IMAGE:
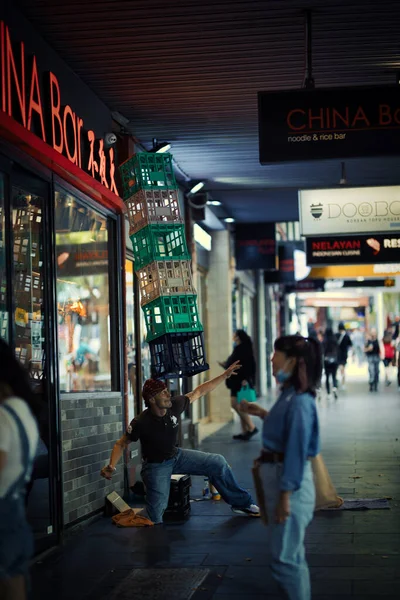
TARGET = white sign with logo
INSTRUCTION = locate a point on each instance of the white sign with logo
(349, 210)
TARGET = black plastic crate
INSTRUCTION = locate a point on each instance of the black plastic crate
(179, 498)
(176, 355)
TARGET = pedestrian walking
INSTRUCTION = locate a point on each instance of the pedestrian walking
(18, 442)
(244, 353)
(290, 438)
(157, 429)
(389, 354)
(373, 354)
(330, 349)
(344, 344)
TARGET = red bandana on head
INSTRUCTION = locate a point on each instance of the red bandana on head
(151, 388)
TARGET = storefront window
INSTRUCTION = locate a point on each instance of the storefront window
(130, 338)
(145, 350)
(27, 224)
(82, 296)
(3, 280)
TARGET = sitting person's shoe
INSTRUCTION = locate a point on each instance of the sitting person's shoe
(249, 511)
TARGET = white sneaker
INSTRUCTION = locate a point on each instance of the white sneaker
(335, 393)
(249, 511)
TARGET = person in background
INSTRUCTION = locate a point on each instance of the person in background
(396, 327)
(373, 353)
(244, 353)
(344, 343)
(290, 437)
(357, 339)
(157, 429)
(398, 363)
(330, 350)
(18, 442)
(389, 354)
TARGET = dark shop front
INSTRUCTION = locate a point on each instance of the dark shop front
(62, 283)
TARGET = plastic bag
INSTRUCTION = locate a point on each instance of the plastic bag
(246, 393)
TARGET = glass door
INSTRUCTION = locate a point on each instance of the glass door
(29, 336)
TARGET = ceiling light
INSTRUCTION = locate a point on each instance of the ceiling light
(214, 203)
(197, 187)
(160, 147)
(229, 220)
(163, 148)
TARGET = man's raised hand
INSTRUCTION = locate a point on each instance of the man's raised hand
(233, 369)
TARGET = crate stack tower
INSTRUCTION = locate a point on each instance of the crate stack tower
(162, 264)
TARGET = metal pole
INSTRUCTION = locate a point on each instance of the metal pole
(309, 82)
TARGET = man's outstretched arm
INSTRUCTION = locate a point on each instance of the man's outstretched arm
(116, 454)
(209, 386)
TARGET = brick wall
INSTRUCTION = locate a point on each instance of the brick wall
(90, 425)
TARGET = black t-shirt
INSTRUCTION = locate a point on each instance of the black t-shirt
(375, 350)
(158, 435)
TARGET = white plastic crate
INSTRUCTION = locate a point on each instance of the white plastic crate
(152, 207)
(165, 278)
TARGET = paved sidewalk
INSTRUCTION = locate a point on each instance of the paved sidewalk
(351, 554)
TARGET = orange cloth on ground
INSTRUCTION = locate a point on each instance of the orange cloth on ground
(128, 518)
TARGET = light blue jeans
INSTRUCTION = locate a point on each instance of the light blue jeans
(286, 540)
(157, 479)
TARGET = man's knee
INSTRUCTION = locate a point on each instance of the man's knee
(219, 462)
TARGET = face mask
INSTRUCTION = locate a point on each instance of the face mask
(282, 376)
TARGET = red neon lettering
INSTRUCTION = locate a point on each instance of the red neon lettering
(361, 116)
(35, 105)
(68, 113)
(113, 186)
(19, 85)
(385, 117)
(93, 167)
(78, 137)
(55, 101)
(337, 116)
(3, 69)
(289, 119)
(102, 167)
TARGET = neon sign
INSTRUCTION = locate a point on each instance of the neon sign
(44, 114)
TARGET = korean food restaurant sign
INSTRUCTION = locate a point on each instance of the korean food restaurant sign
(328, 123)
(38, 106)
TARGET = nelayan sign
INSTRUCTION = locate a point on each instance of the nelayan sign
(353, 250)
(320, 124)
(348, 210)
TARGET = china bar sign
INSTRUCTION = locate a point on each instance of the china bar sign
(328, 123)
(37, 106)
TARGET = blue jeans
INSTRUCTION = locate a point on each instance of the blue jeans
(286, 540)
(157, 479)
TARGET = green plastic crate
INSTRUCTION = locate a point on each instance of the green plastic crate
(159, 242)
(171, 314)
(147, 170)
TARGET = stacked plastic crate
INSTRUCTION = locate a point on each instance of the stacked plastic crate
(162, 264)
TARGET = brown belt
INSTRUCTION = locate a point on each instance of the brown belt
(271, 457)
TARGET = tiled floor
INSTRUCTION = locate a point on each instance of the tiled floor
(351, 554)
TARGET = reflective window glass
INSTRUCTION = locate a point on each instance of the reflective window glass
(82, 296)
(3, 275)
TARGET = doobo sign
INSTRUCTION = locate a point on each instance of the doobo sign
(349, 210)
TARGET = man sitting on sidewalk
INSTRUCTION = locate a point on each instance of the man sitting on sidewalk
(157, 429)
